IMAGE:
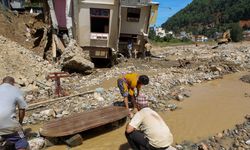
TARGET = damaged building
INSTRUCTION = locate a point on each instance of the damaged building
(103, 28)
(136, 16)
(97, 28)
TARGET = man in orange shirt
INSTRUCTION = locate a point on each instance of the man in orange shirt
(127, 84)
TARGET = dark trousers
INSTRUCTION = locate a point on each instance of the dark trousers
(16, 140)
(138, 141)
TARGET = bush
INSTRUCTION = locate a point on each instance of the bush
(236, 32)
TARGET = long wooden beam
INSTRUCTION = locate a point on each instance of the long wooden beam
(37, 105)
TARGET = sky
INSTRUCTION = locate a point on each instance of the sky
(168, 8)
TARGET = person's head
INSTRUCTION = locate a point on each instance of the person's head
(141, 101)
(9, 80)
(143, 80)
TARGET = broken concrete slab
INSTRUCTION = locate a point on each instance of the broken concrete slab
(77, 64)
(74, 59)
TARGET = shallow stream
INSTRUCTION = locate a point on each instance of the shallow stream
(213, 107)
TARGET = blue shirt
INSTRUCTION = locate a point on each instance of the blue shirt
(10, 97)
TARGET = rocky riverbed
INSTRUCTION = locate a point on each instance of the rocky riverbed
(174, 68)
(234, 139)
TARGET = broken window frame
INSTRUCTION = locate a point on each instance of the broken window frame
(133, 14)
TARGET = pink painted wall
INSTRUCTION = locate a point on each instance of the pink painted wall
(60, 10)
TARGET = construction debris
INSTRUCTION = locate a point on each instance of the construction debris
(74, 59)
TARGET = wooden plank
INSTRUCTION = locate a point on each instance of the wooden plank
(53, 46)
(35, 105)
(83, 121)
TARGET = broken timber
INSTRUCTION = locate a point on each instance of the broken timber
(80, 122)
(35, 105)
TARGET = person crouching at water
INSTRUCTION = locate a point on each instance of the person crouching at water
(127, 84)
(147, 130)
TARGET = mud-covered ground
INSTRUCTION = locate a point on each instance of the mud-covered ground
(172, 69)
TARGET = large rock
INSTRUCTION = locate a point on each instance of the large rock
(74, 59)
(77, 64)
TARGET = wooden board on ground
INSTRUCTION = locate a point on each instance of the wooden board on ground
(83, 121)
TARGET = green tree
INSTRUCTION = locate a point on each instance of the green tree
(236, 32)
(206, 16)
(151, 34)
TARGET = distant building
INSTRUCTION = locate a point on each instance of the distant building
(170, 32)
(200, 38)
(17, 4)
(160, 32)
(33, 6)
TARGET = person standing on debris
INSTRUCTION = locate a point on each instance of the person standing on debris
(147, 130)
(10, 128)
(148, 47)
(130, 48)
(127, 84)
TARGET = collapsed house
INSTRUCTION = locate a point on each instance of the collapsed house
(136, 16)
(101, 27)
(97, 28)
(104, 27)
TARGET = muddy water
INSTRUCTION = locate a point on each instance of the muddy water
(213, 107)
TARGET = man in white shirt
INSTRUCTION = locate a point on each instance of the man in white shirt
(147, 130)
(10, 128)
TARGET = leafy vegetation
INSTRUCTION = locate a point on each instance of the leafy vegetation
(209, 16)
(167, 40)
(236, 32)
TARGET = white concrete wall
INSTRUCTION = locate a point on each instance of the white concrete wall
(135, 27)
(83, 27)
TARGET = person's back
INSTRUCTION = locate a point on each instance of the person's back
(155, 128)
(9, 99)
(131, 78)
(10, 129)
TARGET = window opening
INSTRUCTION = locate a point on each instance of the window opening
(99, 19)
(133, 14)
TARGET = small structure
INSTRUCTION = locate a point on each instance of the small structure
(160, 32)
(56, 77)
(200, 38)
(17, 4)
(33, 6)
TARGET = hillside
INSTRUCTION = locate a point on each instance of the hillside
(209, 16)
(23, 28)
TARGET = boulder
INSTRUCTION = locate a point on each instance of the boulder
(77, 64)
(74, 59)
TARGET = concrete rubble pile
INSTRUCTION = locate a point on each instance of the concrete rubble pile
(74, 59)
(26, 67)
